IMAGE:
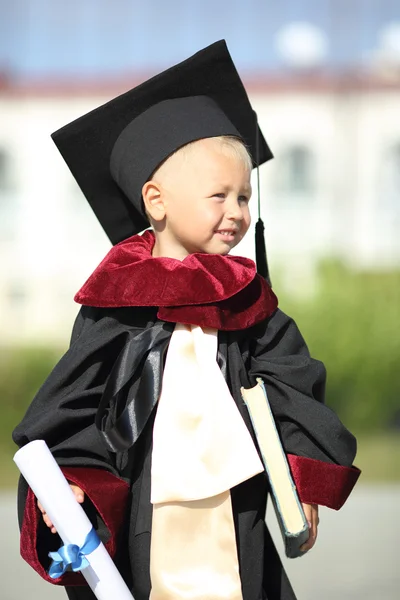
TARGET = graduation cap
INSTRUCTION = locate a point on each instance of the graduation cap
(113, 150)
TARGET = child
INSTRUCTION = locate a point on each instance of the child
(172, 480)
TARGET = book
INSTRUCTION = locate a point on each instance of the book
(288, 509)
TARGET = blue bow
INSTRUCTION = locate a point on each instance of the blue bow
(73, 555)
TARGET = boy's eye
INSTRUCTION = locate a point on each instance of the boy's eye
(241, 199)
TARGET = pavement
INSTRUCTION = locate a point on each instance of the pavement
(356, 556)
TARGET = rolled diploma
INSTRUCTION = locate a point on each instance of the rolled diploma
(50, 487)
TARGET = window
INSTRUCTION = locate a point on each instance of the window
(8, 196)
(6, 176)
(296, 174)
(17, 296)
(389, 185)
(386, 210)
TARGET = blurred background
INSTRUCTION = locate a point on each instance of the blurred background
(324, 78)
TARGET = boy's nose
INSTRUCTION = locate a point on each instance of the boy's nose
(235, 215)
(234, 212)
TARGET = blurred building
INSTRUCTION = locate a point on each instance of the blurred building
(332, 190)
(332, 122)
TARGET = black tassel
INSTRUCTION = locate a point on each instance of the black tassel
(261, 253)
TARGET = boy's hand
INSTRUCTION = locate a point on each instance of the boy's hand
(79, 495)
(311, 513)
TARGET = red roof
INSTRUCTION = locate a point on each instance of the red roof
(269, 83)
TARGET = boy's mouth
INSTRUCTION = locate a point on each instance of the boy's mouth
(227, 234)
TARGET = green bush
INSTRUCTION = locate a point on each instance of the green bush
(22, 372)
(352, 324)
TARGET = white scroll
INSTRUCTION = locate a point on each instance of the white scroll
(50, 487)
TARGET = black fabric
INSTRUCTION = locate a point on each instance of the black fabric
(87, 143)
(295, 385)
(133, 387)
(64, 410)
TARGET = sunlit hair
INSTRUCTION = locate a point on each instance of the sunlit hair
(228, 144)
(238, 148)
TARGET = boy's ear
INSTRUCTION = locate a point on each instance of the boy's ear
(153, 200)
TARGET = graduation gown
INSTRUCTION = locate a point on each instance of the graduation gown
(89, 414)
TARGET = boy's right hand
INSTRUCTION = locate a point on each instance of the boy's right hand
(79, 495)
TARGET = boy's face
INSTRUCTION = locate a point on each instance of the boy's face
(204, 194)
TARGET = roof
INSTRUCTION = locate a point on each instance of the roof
(264, 83)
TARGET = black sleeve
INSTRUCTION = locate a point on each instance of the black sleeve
(63, 415)
(295, 385)
(63, 411)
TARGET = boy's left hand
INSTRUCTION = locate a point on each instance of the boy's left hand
(311, 513)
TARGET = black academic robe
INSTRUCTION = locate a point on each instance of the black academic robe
(320, 449)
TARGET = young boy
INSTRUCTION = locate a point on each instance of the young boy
(170, 474)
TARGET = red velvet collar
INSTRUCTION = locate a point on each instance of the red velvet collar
(210, 290)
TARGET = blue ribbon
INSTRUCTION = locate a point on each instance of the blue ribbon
(73, 555)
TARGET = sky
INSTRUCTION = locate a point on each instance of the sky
(44, 38)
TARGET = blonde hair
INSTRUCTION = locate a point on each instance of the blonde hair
(228, 143)
(239, 148)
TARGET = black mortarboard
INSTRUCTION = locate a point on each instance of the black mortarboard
(126, 139)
